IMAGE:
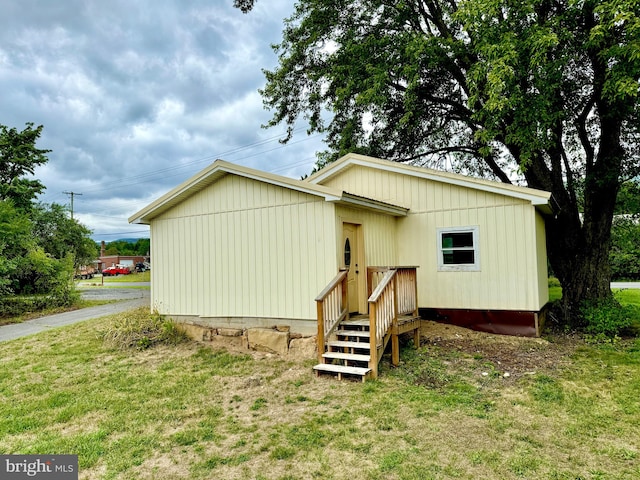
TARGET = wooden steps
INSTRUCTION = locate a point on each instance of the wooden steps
(361, 321)
(346, 356)
(349, 353)
(348, 344)
(342, 370)
(353, 333)
(345, 345)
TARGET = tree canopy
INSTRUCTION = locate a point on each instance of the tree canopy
(39, 243)
(141, 247)
(542, 91)
(60, 235)
(19, 156)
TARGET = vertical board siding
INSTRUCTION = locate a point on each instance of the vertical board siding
(512, 257)
(379, 231)
(267, 252)
(508, 278)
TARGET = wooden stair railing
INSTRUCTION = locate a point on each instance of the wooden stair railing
(355, 348)
(332, 308)
(395, 295)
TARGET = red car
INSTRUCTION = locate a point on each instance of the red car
(117, 270)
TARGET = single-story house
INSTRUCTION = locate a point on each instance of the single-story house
(239, 247)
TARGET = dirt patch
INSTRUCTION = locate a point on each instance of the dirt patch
(514, 356)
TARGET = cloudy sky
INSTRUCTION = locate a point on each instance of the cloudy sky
(137, 96)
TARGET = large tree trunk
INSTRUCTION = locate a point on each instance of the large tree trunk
(579, 257)
(579, 248)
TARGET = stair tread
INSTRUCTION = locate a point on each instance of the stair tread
(358, 322)
(344, 343)
(327, 367)
(353, 333)
(347, 356)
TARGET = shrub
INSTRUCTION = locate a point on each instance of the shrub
(606, 318)
(553, 282)
(15, 306)
(140, 330)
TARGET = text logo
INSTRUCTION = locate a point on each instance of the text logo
(42, 467)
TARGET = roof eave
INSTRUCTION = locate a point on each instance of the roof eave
(374, 205)
(537, 198)
(217, 170)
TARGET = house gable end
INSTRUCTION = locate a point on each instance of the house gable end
(417, 193)
(233, 193)
(375, 173)
(212, 174)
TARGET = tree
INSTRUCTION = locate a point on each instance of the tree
(624, 255)
(15, 240)
(628, 200)
(541, 90)
(60, 236)
(244, 5)
(141, 247)
(19, 156)
(38, 242)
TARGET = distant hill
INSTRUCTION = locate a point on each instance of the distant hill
(125, 240)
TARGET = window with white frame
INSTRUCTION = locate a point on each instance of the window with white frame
(458, 249)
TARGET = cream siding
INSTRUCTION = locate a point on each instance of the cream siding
(510, 276)
(243, 248)
(379, 235)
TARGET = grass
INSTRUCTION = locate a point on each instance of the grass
(629, 296)
(115, 281)
(133, 277)
(187, 411)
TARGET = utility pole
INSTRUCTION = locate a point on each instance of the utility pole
(71, 194)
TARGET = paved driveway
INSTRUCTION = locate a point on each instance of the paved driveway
(130, 298)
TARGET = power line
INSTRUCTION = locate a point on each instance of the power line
(141, 179)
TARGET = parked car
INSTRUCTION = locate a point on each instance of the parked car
(116, 270)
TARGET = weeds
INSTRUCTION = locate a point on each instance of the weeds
(140, 330)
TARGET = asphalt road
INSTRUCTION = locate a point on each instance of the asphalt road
(129, 298)
(625, 284)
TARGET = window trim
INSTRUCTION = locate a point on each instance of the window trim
(461, 267)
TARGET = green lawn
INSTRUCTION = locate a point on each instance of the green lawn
(133, 277)
(189, 411)
(630, 296)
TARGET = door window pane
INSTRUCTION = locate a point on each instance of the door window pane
(347, 253)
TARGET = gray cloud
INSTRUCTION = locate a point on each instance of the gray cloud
(137, 96)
